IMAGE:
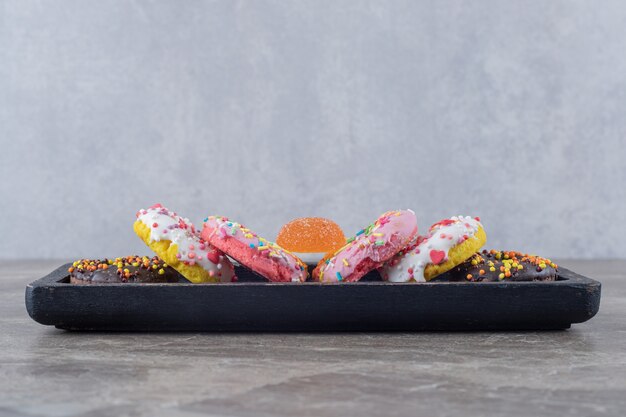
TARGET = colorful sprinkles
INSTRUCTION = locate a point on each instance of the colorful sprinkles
(433, 249)
(502, 265)
(368, 242)
(126, 268)
(192, 250)
(227, 228)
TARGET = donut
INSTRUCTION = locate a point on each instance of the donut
(448, 243)
(260, 255)
(176, 241)
(496, 266)
(310, 238)
(369, 249)
(125, 269)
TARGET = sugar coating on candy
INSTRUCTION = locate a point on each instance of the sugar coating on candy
(311, 235)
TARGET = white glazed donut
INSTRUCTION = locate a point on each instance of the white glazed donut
(449, 243)
(176, 240)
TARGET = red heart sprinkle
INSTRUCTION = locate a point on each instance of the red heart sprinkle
(437, 256)
(213, 256)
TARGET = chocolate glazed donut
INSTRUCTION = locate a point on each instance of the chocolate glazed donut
(501, 266)
(132, 269)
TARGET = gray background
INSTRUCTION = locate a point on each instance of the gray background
(268, 110)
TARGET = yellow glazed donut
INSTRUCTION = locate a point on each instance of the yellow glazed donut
(449, 243)
(178, 243)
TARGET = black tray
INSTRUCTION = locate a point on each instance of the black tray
(309, 307)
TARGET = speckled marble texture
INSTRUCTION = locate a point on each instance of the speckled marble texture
(269, 110)
(49, 372)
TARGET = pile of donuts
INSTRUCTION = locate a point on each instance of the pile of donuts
(313, 249)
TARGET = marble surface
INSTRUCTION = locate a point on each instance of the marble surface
(49, 372)
(268, 110)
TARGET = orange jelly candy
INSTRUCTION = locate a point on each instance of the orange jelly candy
(311, 235)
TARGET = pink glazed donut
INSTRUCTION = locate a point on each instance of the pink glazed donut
(369, 249)
(260, 255)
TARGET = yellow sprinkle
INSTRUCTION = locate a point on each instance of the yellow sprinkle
(378, 234)
(135, 264)
(345, 263)
(161, 271)
(492, 269)
(501, 276)
(263, 247)
(154, 266)
(542, 265)
(343, 247)
(248, 236)
(520, 267)
(126, 271)
(474, 262)
(120, 265)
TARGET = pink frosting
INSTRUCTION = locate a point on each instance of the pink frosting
(370, 248)
(251, 250)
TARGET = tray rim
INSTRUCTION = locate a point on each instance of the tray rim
(537, 305)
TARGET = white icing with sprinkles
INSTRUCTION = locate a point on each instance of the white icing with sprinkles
(191, 248)
(432, 249)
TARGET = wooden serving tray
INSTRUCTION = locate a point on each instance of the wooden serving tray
(368, 305)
